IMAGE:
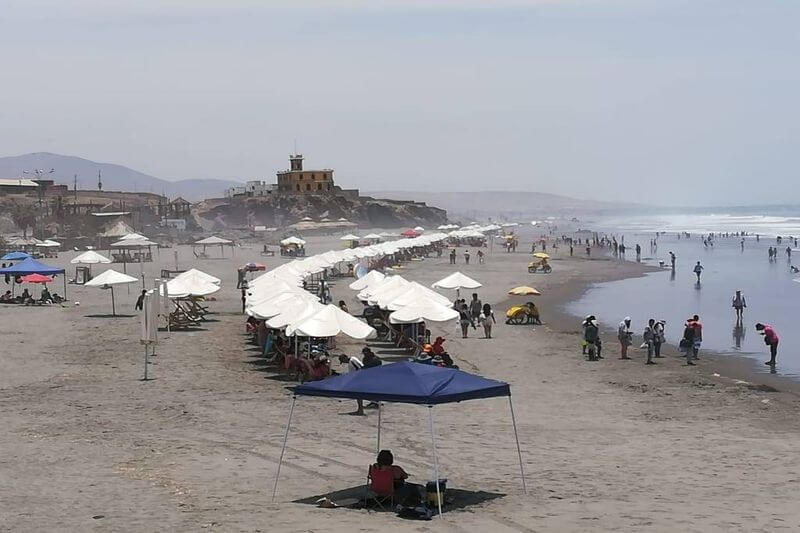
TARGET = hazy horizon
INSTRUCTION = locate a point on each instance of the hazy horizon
(672, 103)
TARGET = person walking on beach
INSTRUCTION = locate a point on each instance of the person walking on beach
(140, 301)
(658, 338)
(464, 320)
(475, 307)
(480, 257)
(466, 257)
(353, 364)
(453, 256)
(698, 269)
(487, 319)
(591, 338)
(243, 286)
(739, 303)
(638, 253)
(771, 340)
(688, 341)
(624, 335)
(789, 252)
(697, 339)
(649, 336)
(672, 259)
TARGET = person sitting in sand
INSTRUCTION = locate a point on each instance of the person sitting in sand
(6, 297)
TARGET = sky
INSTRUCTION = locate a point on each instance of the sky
(673, 102)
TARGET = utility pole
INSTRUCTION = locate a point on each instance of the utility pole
(75, 187)
(99, 181)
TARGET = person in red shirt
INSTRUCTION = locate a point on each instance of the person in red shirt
(771, 340)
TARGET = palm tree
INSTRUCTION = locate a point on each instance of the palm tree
(24, 217)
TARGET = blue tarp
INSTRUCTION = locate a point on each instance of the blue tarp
(31, 266)
(14, 256)
(406, 382)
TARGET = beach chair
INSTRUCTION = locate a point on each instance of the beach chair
(380, 487)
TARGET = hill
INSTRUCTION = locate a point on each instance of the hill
(506, 204)
(115, 177)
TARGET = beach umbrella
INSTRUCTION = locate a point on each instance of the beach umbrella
(524, 290)
(423, 309)
(279, 304)
(419, 229)
(541, 255)
(410, 233)
(412, 295)
(294, 313)
(293, 240)
(15, 256)
(107, 280)
(457, 281)
(370, 278)
(198, 274)
(329, 322)
(349, 237)
(90, 258)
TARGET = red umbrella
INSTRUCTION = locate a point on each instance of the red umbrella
(36, 278)
(410, 233)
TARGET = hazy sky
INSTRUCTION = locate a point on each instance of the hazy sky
(669, 102)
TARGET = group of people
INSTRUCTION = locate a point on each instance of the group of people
(25, 297)
(653, 336)
(454, 254)
(474, 314)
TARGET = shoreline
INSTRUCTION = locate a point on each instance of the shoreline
(731, 366)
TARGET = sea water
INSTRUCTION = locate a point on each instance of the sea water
(772, 294)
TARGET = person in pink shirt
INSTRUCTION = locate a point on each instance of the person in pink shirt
(771, 340)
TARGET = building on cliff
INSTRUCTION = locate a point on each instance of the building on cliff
(292, 181)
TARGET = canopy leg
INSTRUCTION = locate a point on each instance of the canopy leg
(519, 452)
(65, 284)
(379, 426)
(283, 449)
(435, 460)
(113, 308)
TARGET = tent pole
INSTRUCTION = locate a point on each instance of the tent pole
(283, 449)
(435, 460)
(145, 363)
(519, 452)
(379, 426)
(113, 309)
(65, 284)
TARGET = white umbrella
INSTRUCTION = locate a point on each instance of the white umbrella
(350, 237)
(181, 288)
(419, 228)
(457, 281)
(329, 322)
(213, 240)
(90, 258)
(107, 280)
(293, 240)
(132, 237)
(388, 283)
(424, 309)
(373, 237)
(368, 279)
(193, 273)
(294, 313)
(416, 293)
(277, 303)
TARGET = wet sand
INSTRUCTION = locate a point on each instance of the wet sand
(610, 445)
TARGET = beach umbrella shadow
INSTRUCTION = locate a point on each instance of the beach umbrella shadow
(108, 315)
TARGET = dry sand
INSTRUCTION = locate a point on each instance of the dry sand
(611, 445)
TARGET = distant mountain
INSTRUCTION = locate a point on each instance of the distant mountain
(115, 177)
(505, 204)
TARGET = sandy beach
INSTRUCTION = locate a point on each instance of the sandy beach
(609, 445)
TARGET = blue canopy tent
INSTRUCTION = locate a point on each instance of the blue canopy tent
(32, 266)
(15, 256)
(406, 382)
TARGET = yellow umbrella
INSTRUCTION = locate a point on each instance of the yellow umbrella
(524, 290)
(541, 255)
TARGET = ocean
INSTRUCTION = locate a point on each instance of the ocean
(772, 294)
